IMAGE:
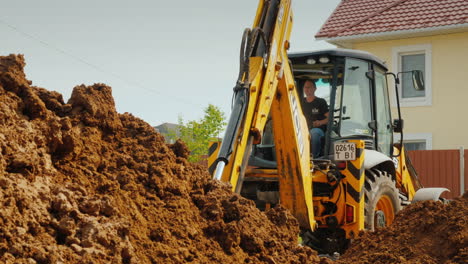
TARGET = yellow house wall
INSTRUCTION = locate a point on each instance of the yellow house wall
(447, 118)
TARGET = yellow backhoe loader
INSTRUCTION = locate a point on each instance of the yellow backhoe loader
(360, 179)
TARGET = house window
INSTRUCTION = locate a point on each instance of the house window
(415, 145)
(415, 141)
(408, 58)
(408, 63)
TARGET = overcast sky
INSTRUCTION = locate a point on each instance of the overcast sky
(162, 59)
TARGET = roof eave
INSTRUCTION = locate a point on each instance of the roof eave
(347, 41)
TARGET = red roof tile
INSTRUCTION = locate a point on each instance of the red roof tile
(358, 17)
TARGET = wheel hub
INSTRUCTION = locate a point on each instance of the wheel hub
(379, 219)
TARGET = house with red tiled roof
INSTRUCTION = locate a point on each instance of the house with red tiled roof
(426, 35)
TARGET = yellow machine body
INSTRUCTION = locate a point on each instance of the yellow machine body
(322, 195)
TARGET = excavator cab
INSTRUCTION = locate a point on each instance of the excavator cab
(354, 85)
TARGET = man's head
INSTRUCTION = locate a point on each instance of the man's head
(309, 88)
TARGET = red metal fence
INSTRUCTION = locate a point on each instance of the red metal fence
(441, 168)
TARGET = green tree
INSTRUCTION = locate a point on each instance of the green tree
(197, 134)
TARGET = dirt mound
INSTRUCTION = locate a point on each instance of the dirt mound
(424, 232)
(80, 183)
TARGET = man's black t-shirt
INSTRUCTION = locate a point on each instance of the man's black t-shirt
(315, 110)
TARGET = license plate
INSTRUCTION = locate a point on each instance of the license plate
(345, 151)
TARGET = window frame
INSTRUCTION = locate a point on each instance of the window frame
(415, 137)
(380, 70)
(344, 91)
(397, 53)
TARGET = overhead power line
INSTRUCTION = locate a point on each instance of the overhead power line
(63, 52)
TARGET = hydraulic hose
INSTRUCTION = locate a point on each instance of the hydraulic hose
(241, 98)
(251, 45)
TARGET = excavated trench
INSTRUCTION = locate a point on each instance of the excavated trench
(81, 183)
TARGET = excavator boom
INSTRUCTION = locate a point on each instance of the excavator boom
(266, 87)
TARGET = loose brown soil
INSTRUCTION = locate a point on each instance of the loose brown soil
(81, 183)
(425, 232)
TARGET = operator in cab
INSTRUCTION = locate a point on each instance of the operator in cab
(316, 112)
